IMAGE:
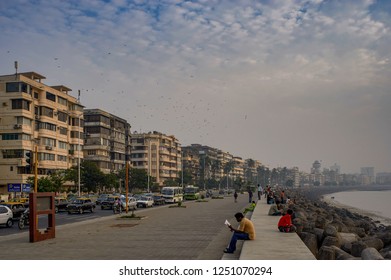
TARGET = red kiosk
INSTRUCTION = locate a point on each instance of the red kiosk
(42, 204)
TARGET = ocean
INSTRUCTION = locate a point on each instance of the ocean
(377, 203)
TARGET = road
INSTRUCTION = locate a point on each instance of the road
(62, 218)
(196, 231)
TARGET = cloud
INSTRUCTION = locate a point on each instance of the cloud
(296, 69)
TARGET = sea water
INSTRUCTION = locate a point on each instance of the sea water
(376, 202)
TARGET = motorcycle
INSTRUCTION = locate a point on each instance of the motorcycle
(24, 219)
(117, 208)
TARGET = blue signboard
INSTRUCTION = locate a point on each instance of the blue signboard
(19, 187)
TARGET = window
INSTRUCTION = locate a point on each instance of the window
(23, 120)
(45, 111)
(45, 125)
(76, 134)
(62, 101)
(50, 96)
(15, 136)
(13, 153)
(36, 95)
(48, 142)
(62, 158)
(46, 156)
(17, 87)
(21, 104)
(63, 130)
(91, 152)
(63, 145)
(63, 117)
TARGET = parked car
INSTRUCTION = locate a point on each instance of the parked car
(60, 203)
(80, 205)
(108, 203)
(158, 200)
(17, 208)
(6, 216)
(145, 201)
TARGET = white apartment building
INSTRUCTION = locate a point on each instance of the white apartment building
(37, 117)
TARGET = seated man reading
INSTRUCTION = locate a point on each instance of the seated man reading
(245, 231)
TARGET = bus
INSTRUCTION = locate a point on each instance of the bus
(191, 193)
(172, 194)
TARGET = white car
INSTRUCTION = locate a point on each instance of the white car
(132, 203)
(6, 216)
(145, 201)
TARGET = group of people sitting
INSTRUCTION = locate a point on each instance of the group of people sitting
(246, 230)
(282, 207)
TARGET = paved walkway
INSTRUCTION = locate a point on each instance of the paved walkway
(194, 232)
(191, 233)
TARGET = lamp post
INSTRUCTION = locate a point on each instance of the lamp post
(203, 169)
(78, 157)
(149, 163)
(182, 167)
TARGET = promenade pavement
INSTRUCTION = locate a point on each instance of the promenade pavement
(191, 233)
(270, 243)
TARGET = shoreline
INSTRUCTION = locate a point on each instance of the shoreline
(377, 219)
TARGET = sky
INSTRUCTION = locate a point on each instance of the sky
(285, 82)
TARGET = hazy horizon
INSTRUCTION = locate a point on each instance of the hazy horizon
(283, 82)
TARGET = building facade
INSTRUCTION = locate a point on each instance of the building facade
(107, 140)
(158, 154)
(37, 119)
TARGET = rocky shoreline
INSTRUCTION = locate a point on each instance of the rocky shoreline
(335, 233)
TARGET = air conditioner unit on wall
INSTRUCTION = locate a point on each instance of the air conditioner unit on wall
(17, 126)
(49, 148)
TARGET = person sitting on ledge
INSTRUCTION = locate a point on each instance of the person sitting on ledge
(245, 231)
(250, 208)
(285, 222)
(275, 210)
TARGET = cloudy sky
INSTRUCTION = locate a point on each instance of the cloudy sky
(285, 82)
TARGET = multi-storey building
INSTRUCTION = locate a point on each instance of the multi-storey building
(157, 153)
(225, 159)
(37, 119)
(107, 140)
(238, 168)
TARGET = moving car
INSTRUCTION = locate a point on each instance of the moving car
(158, 200)
(60, 204)
(145, 201)
(101, 198)
(17, 208)
(6, 216)
(108, 203)
(80, 205)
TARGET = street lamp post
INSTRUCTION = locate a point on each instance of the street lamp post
(78, 158)
(182, 167)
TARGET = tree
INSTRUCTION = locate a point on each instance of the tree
(91, 176)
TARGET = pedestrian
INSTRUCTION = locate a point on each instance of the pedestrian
(250, 195)
(245, 231)
(236, 196)
(259, 191)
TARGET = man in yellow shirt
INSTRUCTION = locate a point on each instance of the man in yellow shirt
(245, 231)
